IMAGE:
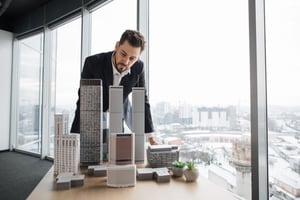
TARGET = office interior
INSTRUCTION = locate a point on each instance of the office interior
(240, 108)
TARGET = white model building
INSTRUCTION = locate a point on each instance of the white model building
(90, 122)
(138, 116)
(115, 109)
(121, 171)
(138, 122)
(66, 147)
(121, 175)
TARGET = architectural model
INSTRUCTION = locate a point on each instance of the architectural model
(121, 170)
(138, 116)
(138, 122)
(121, 148)
(121, 175)
(162, 155)
(67, 180)
(66, 147)
(117, 175)
(158, 174)
(90, 122)
(116, 109)
(105, 136)
(97, 170)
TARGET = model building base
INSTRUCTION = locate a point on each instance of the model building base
(158, 174)
(97, 170)
(121, 175)
(67, 180)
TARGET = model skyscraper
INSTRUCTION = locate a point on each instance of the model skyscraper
(116, 109)
(138, 121)
(66, 147)
(121, 170)
(90, 122)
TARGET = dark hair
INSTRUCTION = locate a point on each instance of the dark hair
(135, 39)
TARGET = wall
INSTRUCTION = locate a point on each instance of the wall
(6, 42)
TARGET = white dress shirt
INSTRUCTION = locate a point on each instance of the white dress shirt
(117, 75)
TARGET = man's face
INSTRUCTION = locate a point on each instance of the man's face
(125, 56)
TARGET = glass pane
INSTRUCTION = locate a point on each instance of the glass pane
(283, 48)
(67, 39)
(199, 86)
(110, 21)
(29, 105)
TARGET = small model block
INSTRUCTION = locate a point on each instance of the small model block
(162, 175)
(63, 184)
(159, 174)
(145, 173)
(162, 155)
(97, 170)
(67, 180)
(121, 175)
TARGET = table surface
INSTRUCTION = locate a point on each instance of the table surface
(96, 188)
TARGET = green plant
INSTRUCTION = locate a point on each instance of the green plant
(190, 165)
(178, 164)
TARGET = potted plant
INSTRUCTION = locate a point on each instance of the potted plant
(191, 173)
(177, 168)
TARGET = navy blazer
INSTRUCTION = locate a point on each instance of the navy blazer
(99, 66)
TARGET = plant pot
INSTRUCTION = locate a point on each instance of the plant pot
(177, 171)
(191, 175)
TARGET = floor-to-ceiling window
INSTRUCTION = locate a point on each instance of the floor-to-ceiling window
(29, 94)
(199, 86)
(110, 21)
(283, 71)
(66, 68)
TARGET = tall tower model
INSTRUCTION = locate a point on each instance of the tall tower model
(116, 109)
(66, 147)
(138, 121)
(90, 122)
(122, 170)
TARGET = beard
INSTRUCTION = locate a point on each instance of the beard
(121, 67)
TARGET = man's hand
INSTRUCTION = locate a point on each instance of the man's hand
(152, 141)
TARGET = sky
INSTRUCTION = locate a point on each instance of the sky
(199, 52)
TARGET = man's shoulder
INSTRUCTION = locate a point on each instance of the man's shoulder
(138, 66)
(100, 56)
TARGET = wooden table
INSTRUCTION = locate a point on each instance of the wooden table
(95, 188)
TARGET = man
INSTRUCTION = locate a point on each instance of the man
(119, 67)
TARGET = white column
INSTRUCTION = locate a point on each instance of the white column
(115, 109)
(6, 46)
(138, 121)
